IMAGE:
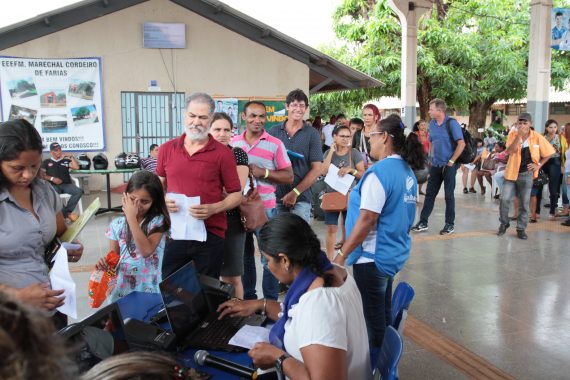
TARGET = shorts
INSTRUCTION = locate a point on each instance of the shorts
(331, 217)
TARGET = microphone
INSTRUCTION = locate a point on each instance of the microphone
(204, 358)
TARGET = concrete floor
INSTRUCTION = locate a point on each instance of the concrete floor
(501, 298)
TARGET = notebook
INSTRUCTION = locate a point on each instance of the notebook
(193, 318)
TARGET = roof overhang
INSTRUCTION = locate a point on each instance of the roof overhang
(326, 73)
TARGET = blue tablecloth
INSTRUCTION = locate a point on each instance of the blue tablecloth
(143, 306)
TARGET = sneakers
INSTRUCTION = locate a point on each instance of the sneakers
(420, 227)
(522, 235)
(503, 229)
(447, 229)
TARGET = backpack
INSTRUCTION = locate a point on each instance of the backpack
(470, 150)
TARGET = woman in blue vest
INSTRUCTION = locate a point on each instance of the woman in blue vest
(381, 211)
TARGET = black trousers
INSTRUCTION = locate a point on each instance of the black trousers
(207, 255)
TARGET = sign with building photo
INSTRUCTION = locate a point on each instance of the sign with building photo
(62, 98)
(560, 31)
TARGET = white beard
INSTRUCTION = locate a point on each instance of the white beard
(200, 135)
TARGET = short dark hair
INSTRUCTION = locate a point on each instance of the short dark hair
(340, 116)
(152, 146)
(252, 102)
(17, 136)
(357, 120)
(338, 128)
(558, 14)
(297, 95)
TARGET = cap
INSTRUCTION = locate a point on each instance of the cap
(54, 146)
(525, 116)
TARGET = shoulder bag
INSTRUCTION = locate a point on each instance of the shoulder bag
(335, 201)
(251, 209)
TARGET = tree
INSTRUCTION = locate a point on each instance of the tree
(470, 52)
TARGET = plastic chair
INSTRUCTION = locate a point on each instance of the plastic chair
(65, 197)
(401, 300)
(390, 354)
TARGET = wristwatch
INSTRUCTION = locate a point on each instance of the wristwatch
(279, 362)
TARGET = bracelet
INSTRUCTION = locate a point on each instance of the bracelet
(354, 171)
(266, 173)
(340, 252)
(264, 311)
(453, 162)
(296, 191)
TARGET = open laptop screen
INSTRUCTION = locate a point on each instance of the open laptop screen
(184, 300)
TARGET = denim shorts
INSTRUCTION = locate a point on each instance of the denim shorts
(331, 217)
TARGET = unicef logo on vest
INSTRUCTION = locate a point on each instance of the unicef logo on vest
(409, 197)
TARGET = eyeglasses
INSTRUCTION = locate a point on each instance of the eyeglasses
(297, 105)
(344, 136)
(379, 133)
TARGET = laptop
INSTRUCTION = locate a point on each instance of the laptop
(192, 316)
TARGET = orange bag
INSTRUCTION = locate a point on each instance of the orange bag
(101, 282)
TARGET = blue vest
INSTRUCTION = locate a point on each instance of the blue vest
(393, 241)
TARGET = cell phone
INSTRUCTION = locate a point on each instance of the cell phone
(51, 250)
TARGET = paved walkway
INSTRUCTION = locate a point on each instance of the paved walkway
(486, 307)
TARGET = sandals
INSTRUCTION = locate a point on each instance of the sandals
(338, 245)
(532, 220)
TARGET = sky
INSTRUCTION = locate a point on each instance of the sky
(309, 21)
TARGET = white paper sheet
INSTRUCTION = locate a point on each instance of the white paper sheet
(61, 279)
(248, 336)
(340, 184)
(183, 225)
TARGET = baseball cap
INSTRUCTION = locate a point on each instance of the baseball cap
(525, 116)
(54, 146)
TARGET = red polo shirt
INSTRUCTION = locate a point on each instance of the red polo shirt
(205, 174)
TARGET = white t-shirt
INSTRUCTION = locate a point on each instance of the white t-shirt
(327, 132)
(332, 317)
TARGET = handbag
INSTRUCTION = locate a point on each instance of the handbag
(488, 164)
(541, 180)
(335, 201)
(251, 209)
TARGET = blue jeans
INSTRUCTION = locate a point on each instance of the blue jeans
(74, 191)
(376, 292)
(303, 209)
(436, 178)
(269, 284)
(520, 188)
(565, 189)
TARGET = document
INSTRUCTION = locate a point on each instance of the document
(74, 230)
(60, 279)
(248, 336)
(183, 225)
(340, 184)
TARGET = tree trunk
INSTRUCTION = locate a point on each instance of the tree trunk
(424, 97)
(478, 115)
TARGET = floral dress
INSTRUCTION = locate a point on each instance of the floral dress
(134, 272)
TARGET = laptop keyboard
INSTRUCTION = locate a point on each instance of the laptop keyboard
(217, 333)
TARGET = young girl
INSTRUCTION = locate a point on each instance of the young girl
(139, 236)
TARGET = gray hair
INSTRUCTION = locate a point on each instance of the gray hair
(201, 97)
(439, 104)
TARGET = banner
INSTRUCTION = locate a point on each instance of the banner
(62, 98)
(276, 113)
(560, 29)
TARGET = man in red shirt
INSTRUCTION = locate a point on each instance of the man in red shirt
(195, 164)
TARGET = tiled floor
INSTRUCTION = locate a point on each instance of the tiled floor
(502, 298)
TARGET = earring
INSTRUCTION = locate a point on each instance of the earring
(287, 268)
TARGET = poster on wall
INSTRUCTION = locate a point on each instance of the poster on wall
(560, 29)
(275, 109)
(230, 107)
(62, 98)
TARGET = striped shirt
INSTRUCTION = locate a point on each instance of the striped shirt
(267, 152)
(149, 164)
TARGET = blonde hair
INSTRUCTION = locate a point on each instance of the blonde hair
(136, 366)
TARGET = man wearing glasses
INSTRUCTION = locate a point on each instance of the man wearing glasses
(303, 144)
(528, 152)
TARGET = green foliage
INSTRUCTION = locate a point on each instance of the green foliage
(474, 54)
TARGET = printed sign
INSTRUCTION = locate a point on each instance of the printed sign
(62, 98)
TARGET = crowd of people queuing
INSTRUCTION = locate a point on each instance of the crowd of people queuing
(327, 315)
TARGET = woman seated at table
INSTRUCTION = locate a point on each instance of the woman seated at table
(321, 321)
(30, 218)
